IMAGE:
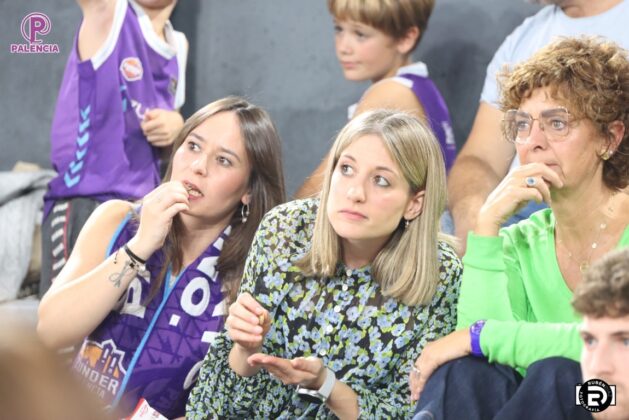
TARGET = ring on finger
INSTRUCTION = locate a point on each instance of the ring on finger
(530, 181)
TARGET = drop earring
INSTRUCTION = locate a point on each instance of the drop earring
(244, 213)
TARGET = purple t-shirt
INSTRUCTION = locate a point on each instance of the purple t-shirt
(97, 145)
(154, 350)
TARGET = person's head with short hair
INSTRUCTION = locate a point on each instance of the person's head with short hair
(376, 37)
(589, 78)
(384, 190)
(603, 300)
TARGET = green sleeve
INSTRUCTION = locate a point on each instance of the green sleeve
(518, 343)
(491, 285)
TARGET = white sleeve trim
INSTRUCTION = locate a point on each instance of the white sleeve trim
(403, 81)
(112, 38)
(182, 59)
(151, 38)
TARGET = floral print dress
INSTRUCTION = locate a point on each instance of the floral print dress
(368, 340)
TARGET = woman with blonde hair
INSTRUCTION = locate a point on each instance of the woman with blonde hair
(341, 293)
(146, 287)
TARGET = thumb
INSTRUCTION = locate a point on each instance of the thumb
(150, 114)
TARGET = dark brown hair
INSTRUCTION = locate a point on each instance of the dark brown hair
(591, 77)
(604, 291)
(266, 184)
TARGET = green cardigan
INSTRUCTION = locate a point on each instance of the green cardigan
(513, 280)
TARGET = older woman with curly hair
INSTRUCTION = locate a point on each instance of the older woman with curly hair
(566, 111)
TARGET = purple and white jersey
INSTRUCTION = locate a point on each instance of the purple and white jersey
(154, 351)
(97, 145)
(415, 77)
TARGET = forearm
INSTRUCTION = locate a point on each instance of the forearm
(238, 356)
(469, 183)
(71, 311)
(343, 401)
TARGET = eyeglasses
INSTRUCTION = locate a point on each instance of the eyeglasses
(517, 125)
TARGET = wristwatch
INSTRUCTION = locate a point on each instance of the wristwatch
(318, 395)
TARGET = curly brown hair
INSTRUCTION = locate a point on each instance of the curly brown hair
(590, 76)
(604, 291)
(393, 17)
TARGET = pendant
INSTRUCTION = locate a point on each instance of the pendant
(584, 266)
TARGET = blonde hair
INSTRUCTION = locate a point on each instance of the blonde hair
(407, 267)
(393, 17)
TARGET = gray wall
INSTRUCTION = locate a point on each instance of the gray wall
(277, 53)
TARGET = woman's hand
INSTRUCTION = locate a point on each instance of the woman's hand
(247, 322)
(159, 207)
(308, 372)
(435, 354)
(526, 183)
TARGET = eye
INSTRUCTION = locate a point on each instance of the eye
(381, 181)
(338, 29)
(360, 34)
(588, 340)
(346, 169)
(522, 125)
(558, 124)
(625, 341)
(193, 146)
(223, 161)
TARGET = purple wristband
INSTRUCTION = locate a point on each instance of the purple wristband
(475, 331)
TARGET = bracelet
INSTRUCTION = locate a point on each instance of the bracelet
(132, 255)
(135, 262)
(475, 331)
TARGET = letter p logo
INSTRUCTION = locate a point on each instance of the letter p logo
(35, 24)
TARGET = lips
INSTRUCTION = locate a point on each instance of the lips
(193, 190)
(353, 215)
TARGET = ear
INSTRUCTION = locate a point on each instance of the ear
(415, 206)
(405, 44)
(246, 198)
(616, 130)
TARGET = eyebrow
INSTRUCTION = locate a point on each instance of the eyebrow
(221, 148)
(379, 168)
(621, 333)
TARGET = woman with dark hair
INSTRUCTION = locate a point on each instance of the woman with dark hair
(565, 109)
(148, 283)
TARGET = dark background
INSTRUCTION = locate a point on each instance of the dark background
(278, 53)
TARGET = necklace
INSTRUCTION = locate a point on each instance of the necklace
(585, 263)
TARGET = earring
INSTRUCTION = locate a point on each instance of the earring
(606, 155)
(244, 213)
(406, 223)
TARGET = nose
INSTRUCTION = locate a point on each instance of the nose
(199, 165)
(356, 192)
(600, 360)
(537, 137)
(343, 43)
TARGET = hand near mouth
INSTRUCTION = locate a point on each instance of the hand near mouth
(159, 207)
(528, 182)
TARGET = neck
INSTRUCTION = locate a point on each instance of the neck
(579, 212)
(159, 17)
(358, 254)
(404, 61)
(195, 239)
(587, 8)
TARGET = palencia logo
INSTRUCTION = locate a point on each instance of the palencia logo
(595, 395)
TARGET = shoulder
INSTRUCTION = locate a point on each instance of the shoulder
(390, 94)
(288, 227)
(520, 40)
(449, 261)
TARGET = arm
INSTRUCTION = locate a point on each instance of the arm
(91, 283)
(98, 17)
(481, 165)
(386, 94)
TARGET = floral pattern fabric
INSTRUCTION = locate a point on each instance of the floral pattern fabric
(368, 340)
